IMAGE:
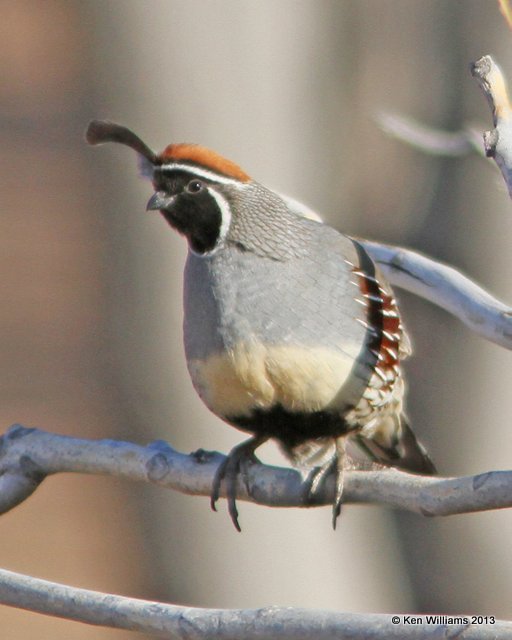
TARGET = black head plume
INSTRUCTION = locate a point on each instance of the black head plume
(100, 131)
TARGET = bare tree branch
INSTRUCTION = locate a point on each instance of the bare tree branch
(498, 142)
(184, 623)
(447, 288)
(29, 455)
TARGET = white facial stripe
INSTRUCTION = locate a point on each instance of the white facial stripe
(225, 212)
(200, 172)
(225, 215)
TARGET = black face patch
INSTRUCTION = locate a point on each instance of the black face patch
(194, 212)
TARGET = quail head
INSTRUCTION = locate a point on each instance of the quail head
(290, 330)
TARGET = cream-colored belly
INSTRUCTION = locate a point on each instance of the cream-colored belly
(254, 376)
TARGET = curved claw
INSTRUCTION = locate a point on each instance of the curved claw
(340, 479)
(229, 471)
(317, 476)
(231, 492)
(217, 480)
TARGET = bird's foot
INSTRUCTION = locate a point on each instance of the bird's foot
(229, 471)
(336, 466)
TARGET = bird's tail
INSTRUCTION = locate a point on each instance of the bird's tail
(394, 444)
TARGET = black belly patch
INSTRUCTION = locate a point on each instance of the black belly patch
(291, 428)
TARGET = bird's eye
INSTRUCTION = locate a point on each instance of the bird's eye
(194, 186)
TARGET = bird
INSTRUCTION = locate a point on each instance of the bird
(291, 332)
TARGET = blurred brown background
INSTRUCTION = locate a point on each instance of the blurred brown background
(90, 320)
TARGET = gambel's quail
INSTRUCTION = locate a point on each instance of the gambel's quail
(290, 330)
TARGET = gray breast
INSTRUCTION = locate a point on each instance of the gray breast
(261, 332)
(234, 296)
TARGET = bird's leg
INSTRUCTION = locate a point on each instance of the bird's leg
(336, 465)
(229, 471)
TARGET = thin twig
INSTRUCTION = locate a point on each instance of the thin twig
(429, 140)
(498, 142)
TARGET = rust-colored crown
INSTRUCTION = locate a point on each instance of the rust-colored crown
(203, 157)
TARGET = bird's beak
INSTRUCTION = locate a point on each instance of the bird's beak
(159, 200)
